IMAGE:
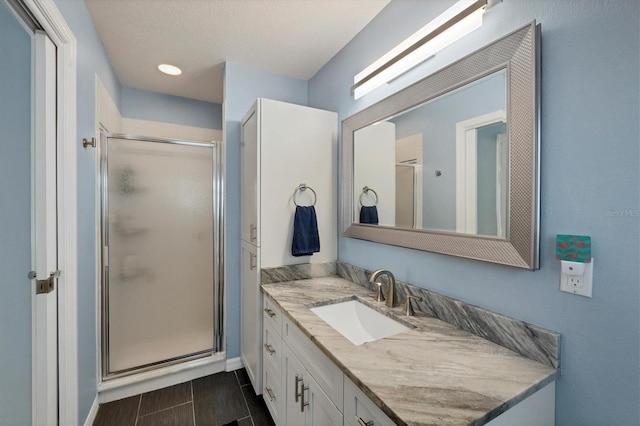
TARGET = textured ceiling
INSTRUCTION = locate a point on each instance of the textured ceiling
(290, 37)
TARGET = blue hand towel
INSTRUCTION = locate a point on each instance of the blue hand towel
(306, 240)
(369, 214)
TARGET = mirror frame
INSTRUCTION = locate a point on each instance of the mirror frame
(519, 54)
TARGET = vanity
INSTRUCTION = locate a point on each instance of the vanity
(432, 373)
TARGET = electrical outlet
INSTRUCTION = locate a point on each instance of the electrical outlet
(578, 284)
(574, 281)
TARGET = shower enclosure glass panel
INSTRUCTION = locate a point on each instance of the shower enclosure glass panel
(161, 292)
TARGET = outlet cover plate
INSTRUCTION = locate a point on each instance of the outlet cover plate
(578, 284)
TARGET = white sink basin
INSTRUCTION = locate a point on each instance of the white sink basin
(358, 322)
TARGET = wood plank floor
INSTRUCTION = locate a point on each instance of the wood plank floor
(225, 398)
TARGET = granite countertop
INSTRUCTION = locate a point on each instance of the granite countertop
(432, 374)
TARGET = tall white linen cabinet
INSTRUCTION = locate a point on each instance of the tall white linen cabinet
(282, 147)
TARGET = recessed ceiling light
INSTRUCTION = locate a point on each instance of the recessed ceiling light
(169, 69)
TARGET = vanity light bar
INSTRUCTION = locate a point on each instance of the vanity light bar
(451, 25)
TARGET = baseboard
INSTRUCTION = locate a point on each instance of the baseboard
(234, 364)
(93, 412)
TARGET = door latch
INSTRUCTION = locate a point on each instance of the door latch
(47, 285)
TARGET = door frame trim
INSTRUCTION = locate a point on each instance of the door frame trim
(49, 16)
(466, 173)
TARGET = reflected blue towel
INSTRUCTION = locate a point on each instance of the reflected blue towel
(306, 240)
(369, 214)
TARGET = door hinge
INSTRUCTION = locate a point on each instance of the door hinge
(47, 285)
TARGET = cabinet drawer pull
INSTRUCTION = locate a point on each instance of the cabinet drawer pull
(269, 393)
(298, 380)
(270, 312)
(362, 422)
(302, 403)
(252, 261)
(269, 349)
(253, 235)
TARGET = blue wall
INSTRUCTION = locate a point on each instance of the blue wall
(242, 86)
(589, 183)
(15, 221)
(145, 105)
(92, 60)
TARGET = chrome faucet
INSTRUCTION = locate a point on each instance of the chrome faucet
(390, 280)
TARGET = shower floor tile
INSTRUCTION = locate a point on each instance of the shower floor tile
(225, 398)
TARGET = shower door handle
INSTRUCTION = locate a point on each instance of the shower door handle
(252, 261)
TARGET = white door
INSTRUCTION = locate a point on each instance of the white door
(45, 219)
(28, 322)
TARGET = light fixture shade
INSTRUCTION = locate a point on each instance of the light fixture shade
(459, 20)
(169, 69)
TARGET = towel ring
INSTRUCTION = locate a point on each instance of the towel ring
(303, 187)
(364, 191)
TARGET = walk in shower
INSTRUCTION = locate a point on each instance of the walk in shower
(161, 238)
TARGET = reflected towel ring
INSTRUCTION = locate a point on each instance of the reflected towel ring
(364, 191)
(304, 187)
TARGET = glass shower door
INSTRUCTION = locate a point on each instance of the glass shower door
(161, 292)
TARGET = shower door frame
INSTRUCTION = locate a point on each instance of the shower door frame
(218, 257)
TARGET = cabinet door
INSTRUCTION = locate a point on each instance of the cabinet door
(359, 409)
(321, 368)
(293, 382)
(273, 395)
(251, 315)
(249, 178)
(320, 411)
(538, 409)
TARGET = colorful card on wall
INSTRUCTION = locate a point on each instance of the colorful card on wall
(575, 248)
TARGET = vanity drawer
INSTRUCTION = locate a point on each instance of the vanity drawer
(272, 393)
(272, 313)
(328, 376)
(358, 406)
(271, 347)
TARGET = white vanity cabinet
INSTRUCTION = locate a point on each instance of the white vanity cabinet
(303, 386)
(282, 146)
(359, 410)
(320, 367)
(306, 403)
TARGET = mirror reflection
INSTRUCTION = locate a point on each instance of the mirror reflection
(443, 165)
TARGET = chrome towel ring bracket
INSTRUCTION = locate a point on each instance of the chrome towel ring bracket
(301, 188)
(365, 190)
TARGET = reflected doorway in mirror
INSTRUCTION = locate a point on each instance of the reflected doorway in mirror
(481, 174)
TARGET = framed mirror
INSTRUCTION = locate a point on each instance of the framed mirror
(450, 164)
